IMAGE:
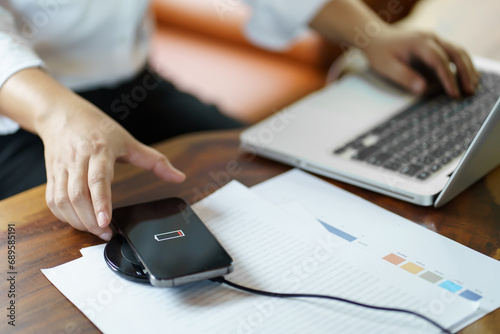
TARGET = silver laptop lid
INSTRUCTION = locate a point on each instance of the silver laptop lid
(482, 156)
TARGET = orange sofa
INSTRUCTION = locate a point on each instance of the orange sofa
(199, 45)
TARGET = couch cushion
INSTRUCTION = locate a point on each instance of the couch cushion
(225, 20)
(246, 83)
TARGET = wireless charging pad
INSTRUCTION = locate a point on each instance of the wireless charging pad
(121, 259)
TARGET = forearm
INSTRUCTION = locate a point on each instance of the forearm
(31, 96)
(347, 21)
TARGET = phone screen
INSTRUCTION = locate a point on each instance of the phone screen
(171, 242)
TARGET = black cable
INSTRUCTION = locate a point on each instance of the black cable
(221, 280)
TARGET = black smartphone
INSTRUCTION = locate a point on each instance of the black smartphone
(171, 242)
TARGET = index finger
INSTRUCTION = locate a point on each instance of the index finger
(100, 175)
(436, 57)
(465, 68)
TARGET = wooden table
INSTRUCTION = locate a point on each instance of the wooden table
(210, 160)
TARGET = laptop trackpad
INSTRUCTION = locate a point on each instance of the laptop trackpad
(355, 104)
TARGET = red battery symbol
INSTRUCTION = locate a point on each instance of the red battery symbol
(169, 235)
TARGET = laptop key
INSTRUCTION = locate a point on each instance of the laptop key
(445, 160)
(381, 128)
(357, 145)
(411, 169)
(423, 175)
(392, 166)
(435, 167)
(340, 150)
(438, 153)
(425, 160)
(379, 159)
(365, 153)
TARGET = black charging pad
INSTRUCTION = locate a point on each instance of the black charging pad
(121, 259)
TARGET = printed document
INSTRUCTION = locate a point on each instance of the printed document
(295, 234)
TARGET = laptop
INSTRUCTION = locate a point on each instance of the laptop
(365, 131)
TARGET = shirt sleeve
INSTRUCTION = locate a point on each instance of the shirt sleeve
(276, 23)
(16, 54)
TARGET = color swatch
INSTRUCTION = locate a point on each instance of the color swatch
(450, 286)
(431, 277)
(471, 295)
(394, 259)
(412, 268)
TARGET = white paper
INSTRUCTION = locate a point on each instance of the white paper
(267, 255)
(381, 232)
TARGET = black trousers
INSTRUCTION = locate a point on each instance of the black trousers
(150, 108)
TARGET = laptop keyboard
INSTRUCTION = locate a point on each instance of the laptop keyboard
(420, 140)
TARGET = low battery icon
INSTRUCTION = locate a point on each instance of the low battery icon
(169, 235)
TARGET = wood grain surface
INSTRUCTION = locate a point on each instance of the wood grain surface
(210, 160)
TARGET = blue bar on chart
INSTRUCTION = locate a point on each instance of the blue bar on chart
(450, 286)
(338, 232)
(471, 295)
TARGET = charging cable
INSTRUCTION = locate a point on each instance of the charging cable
(222, 280)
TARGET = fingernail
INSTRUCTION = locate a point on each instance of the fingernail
(102, 219)
(180, 175)
(417, 86)
(105, 236)
(472, 89)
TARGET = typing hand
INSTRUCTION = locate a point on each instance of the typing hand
(81, 148)
(393, 51)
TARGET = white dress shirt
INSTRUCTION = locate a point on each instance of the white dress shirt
(88, 44)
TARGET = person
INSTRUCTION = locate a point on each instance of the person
(69, 68)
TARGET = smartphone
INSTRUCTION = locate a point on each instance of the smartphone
(171, 242)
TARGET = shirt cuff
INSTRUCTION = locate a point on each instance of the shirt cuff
(276, 23)
(16, 57)
(7, 126)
